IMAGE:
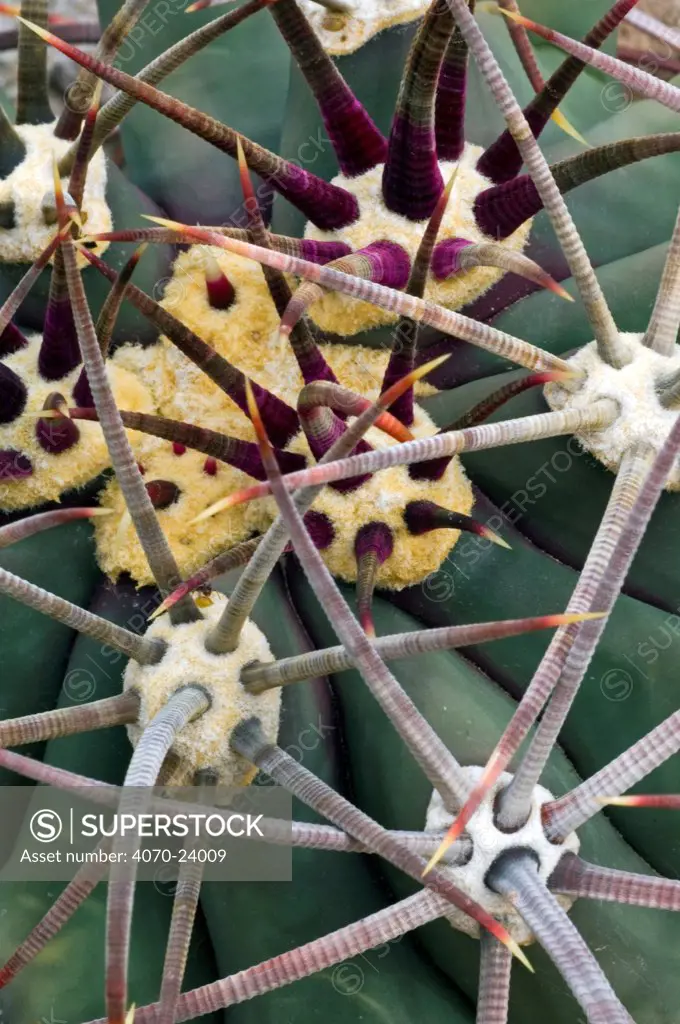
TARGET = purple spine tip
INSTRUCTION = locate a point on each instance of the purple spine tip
(450, 102)
(245, 455)
(401, 364)
(322, 429)
(357, 142)
(82, 394)
(390, 264)
(162, 493)
(56, 434)
(320, 529)
(446, 257)
(423, 516)
(374, 538)
(281, 421)
(321, 252)
(412, 182)
(11, 340)
(13, 395)
(502, 160)
(502, 209)
(326, 205)
(434, 469)
(59, 351)
(14, 465)
(315, 368)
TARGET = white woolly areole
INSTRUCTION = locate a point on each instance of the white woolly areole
(204, 743)
(27, 186)
(345, 33)
(642, 417)
(488, 843)
(342, 315)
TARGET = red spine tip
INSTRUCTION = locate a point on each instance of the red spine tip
(221, 294)
(367, 625)
(210, 467)
(178, 449)
(163, 493)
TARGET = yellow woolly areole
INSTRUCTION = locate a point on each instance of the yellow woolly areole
(345, 33)
(383, 498)
(342, 315)
(204, 743)
(53, 475)
(118, 548)
(247, 335)
(152, 365)
(642, 419)
(27, 186)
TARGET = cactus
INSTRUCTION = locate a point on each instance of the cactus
(399, 530)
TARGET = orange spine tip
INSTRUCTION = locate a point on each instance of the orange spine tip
(447, 842)
(96, 101)
(138, 253)
(457, 827)
(569, 618)
(367, 625)
(494, 537)
(170, 600)
(554, 286)
(244, 175)
(48, 37)
(553, 376)
(254, 413)
(173, 225)
(59, 200)
(442, 203)
(237, 498)
(165, 606)
(389, 424)
(399, 387)
(667, 801)
(516, 16)
(496, 929)
(516, 951)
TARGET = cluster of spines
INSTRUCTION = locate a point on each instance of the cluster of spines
(557, 679)
(436, 73)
